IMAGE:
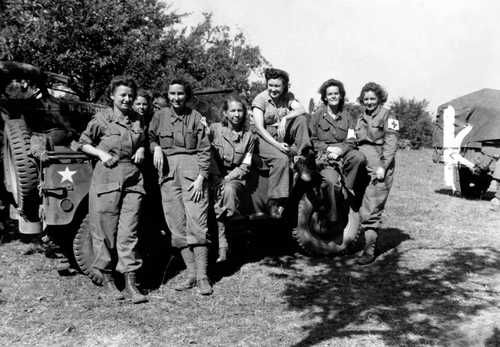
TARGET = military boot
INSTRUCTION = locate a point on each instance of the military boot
(368, 255)
(201, 257)
(190, 280)
(223, 245)
(109, 289)
(132, 293)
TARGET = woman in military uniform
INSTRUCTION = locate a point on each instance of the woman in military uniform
(280, 122)
(181, 154)
(233, 146)
(116, 137)
(332, 133)
(377, 137)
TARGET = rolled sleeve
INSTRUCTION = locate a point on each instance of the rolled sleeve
(390, 140)
(92, 134)
(260, 101)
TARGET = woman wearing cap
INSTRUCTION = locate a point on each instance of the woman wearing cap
(280, 122)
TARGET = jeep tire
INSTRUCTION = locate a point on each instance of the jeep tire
(84, 251)
(20, 170)
(314, 244)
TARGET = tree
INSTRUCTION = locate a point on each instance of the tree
(95, 40)
(415, 122)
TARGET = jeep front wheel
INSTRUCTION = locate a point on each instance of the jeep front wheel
(84, 252)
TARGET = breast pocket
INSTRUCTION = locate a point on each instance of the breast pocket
(111, 140)
(238, 156)
(340, 133)
(377, 130)
(166, 139)
(191, 139)
(324, 130)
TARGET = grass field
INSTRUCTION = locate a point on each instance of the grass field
(437, 282)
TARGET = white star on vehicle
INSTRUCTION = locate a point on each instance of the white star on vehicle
(66, 175)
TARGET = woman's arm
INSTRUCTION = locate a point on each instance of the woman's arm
(96, 152)
(296, 110)
(258, 118)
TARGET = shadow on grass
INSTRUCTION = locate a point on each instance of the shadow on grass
(400, 304)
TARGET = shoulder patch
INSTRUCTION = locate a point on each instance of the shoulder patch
(393, 124)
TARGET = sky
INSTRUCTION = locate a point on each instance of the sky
(426, 49)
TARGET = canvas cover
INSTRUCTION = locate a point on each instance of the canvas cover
(481, 109)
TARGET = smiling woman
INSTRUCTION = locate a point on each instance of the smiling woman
(280, 122)
(116, 137)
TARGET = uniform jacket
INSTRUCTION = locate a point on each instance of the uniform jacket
(326, 131)
(379, 129)
(119, 136)
(273, 111)
(181, 134)
(233, 151)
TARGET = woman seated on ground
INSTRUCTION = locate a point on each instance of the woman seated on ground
(233, 147)
(333, 136)
(182, 156)
(116, 136)
(280, 122)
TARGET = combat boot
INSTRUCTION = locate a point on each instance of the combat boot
(201, 257)
(223, 245)
(190, 280)
(109, 289)
(132, 293)
(368, 255)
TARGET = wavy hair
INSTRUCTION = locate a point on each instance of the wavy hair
(272, 73)
(377, 89)
(333, 83)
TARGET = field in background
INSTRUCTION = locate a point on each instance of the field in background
(437, 282)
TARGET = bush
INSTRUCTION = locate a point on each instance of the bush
(415, 124)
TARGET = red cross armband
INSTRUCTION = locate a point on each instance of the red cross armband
(392, 124)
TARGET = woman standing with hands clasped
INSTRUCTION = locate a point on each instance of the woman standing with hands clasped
(181, 154)
(116, 136)
(377, 133)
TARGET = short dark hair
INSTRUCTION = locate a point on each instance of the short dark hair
(333, 83)
(146, 94)
(377, 89)
(272, 73)
(122, 81)
(188, 89)
(225, 107)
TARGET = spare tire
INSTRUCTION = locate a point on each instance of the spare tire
(312, 243)
(84, 252)
(20, 170)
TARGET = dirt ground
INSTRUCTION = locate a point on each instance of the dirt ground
(437, 282)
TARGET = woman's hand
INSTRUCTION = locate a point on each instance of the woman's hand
(282, 146)
(138, 157)
(105, 156)
(197, 188)
(282, 128)
(380, 173)
(158, 159)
